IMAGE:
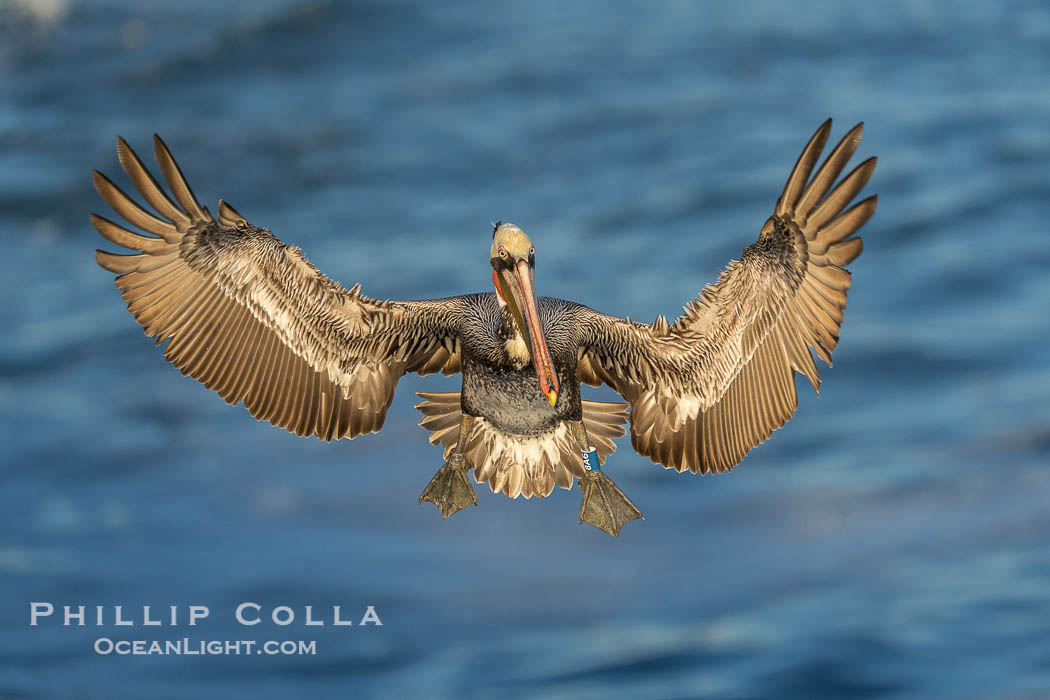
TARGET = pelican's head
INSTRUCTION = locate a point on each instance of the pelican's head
(513, 259)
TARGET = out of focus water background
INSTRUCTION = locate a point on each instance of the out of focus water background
(891, 541)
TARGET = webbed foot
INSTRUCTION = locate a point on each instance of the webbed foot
(450, 489)
(604, 505)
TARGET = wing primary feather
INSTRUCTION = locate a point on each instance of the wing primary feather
(833, 277)
(803, 167)
(843, 194)
(161, 279)
(850, 221)
(179, 187)
(147, 186)
(844, 253)
(120, 264)
(829, 171)
(131, 211)
(831, 315)
(145, 297)
(160, 320)
(129, 239)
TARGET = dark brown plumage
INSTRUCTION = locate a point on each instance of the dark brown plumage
(252, 319)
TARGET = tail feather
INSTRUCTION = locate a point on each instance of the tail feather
(521, 465)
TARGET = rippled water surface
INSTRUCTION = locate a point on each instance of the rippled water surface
(891, 541)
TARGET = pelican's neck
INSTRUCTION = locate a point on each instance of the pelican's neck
(513, 343)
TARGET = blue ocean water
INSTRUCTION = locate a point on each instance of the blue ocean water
(891, 541)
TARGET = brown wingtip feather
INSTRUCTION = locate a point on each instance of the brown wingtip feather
(147, 186)
(844, 253)
(833, 203)
(126, 155)
(177, 181)
(100, 259)
(828, 172)
(128, 239)
(130, 210)
(796, 181)
(116, 263)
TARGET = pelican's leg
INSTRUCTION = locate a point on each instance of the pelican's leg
(604, 505)
(450, 489)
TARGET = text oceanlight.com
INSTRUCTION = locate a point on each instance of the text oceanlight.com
(198, 647)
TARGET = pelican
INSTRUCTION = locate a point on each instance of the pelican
(250, 318)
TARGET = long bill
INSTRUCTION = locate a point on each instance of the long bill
(525, 298)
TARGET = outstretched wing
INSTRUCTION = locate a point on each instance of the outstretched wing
(719, 380)
(251, 318)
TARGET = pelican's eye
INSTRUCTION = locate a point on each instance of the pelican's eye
(532, 251)
(503, 253)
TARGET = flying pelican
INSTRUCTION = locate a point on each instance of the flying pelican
(252, 319)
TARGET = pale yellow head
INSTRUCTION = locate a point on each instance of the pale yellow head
(509, 245)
